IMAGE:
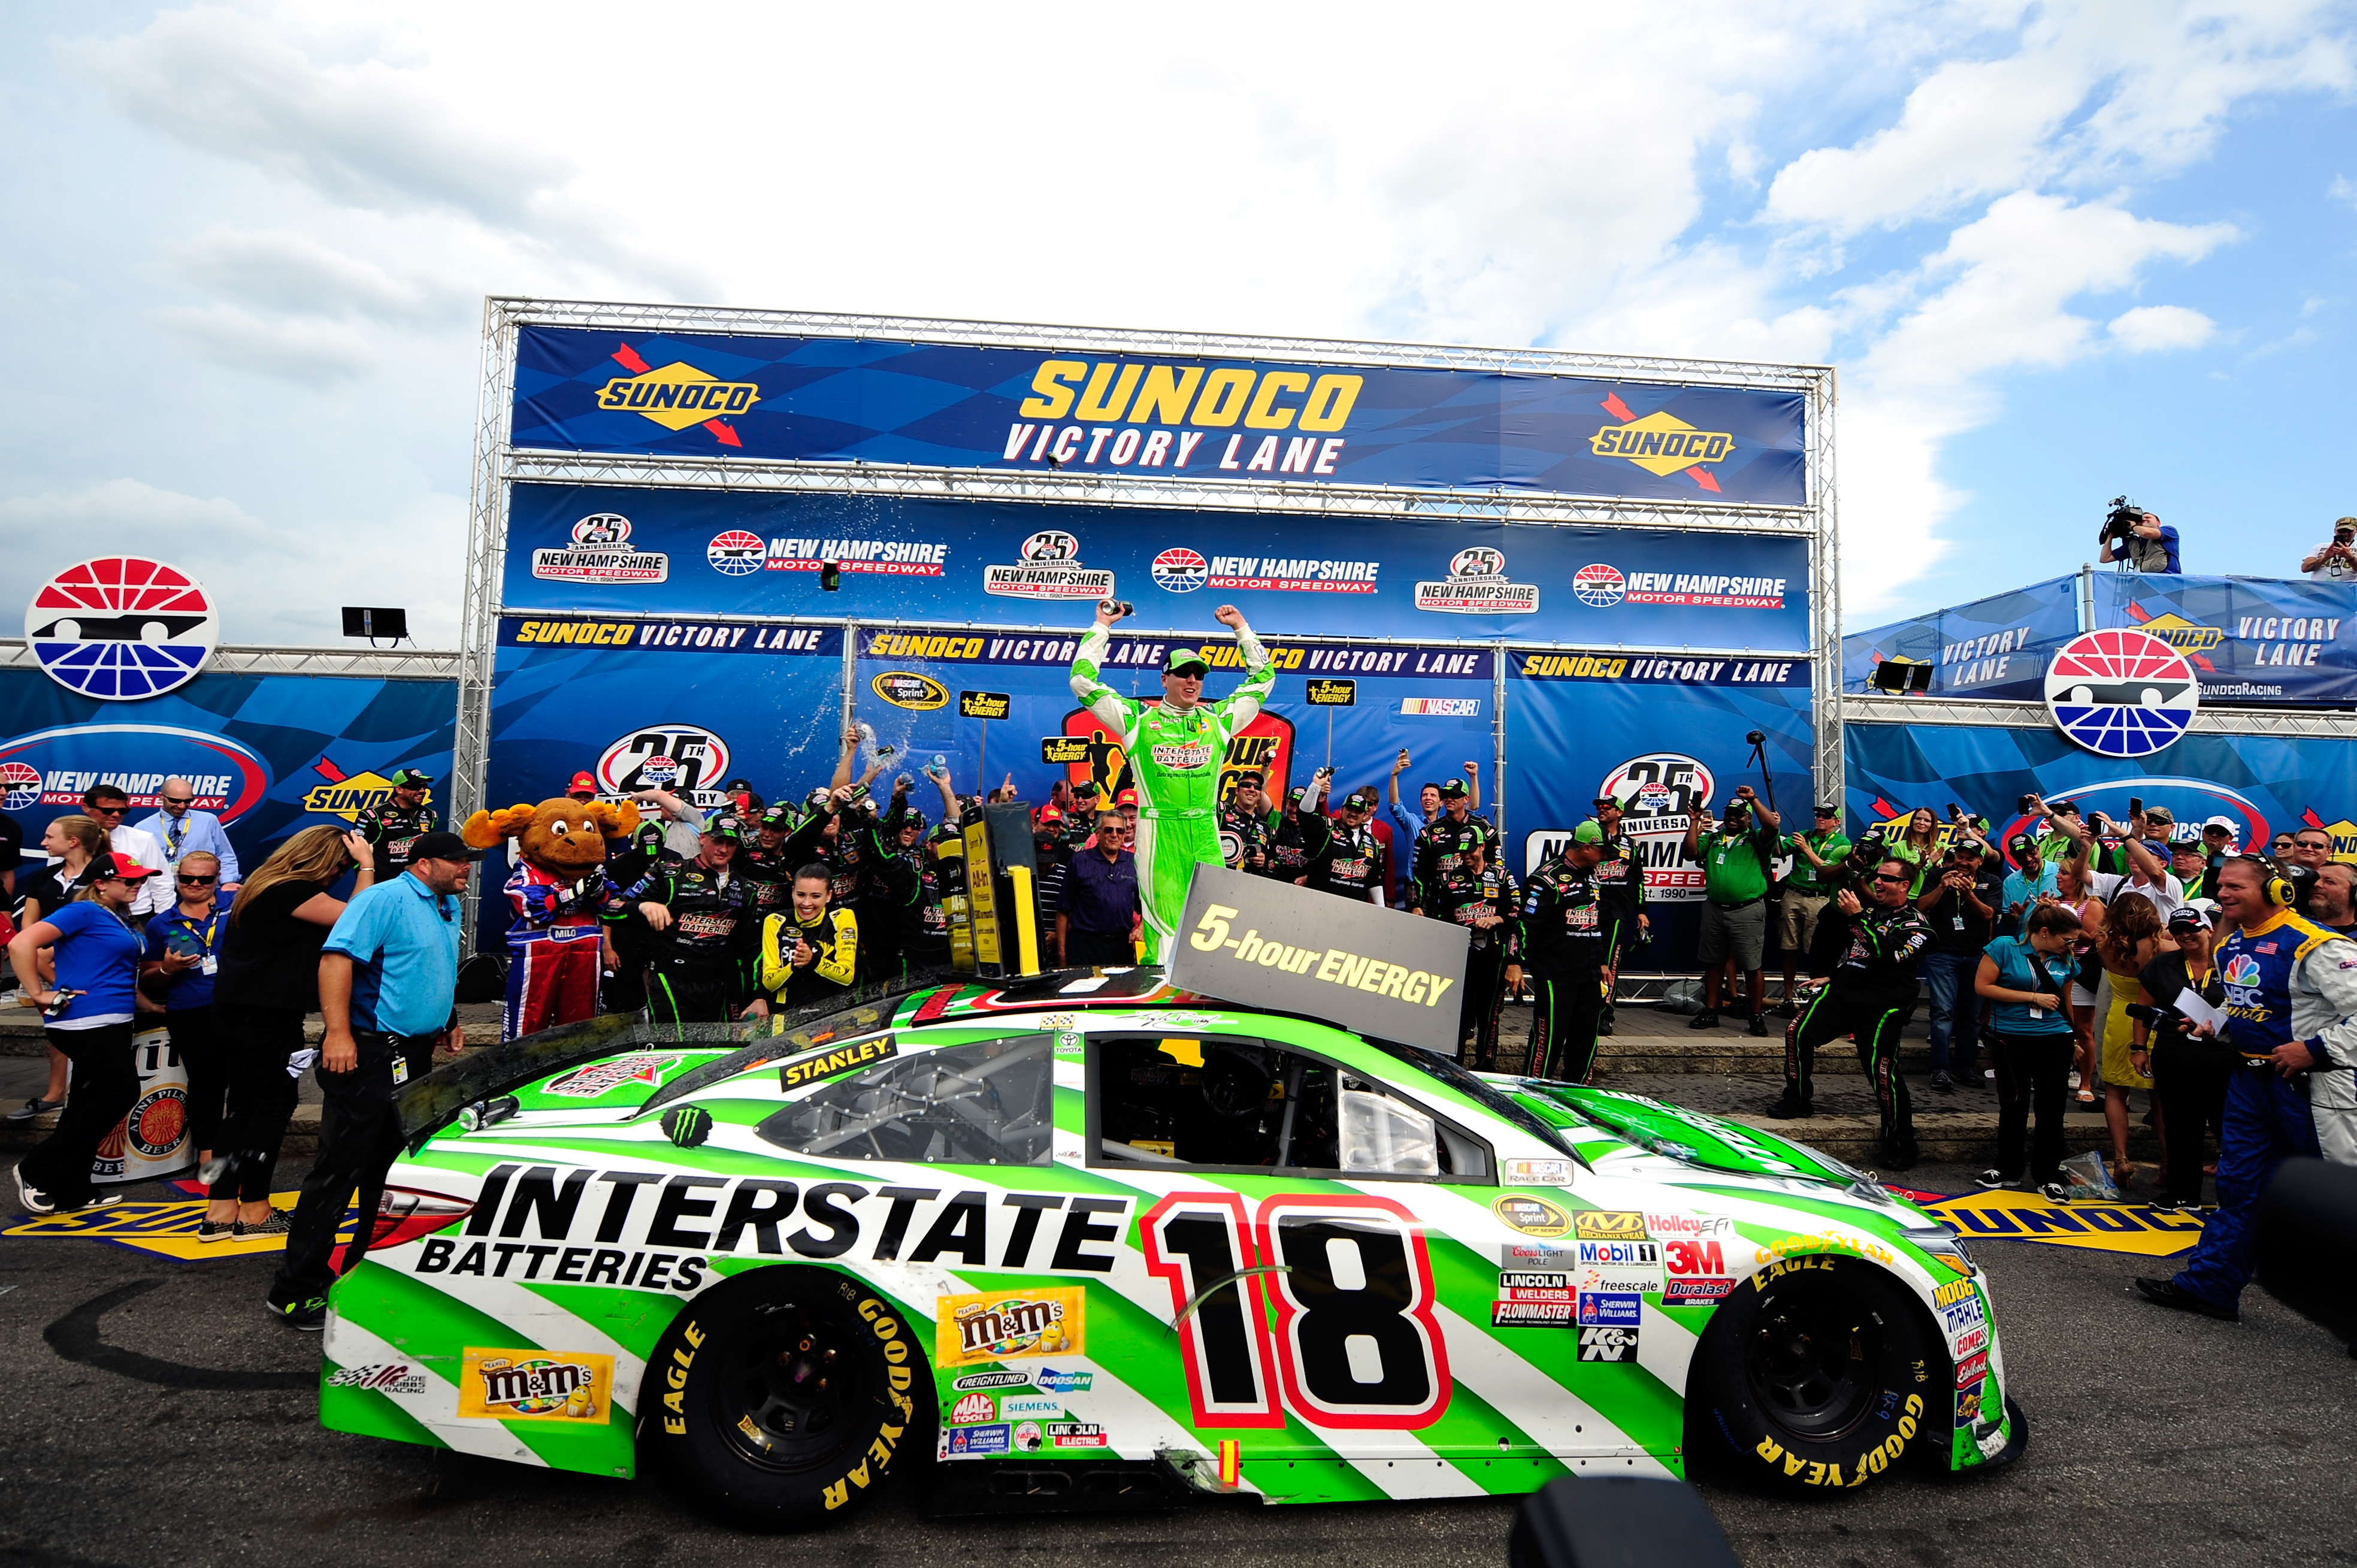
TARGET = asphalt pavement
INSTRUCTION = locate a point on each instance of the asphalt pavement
(155, 1416)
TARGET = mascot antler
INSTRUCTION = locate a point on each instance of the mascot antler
(614, 819)
(485, 828)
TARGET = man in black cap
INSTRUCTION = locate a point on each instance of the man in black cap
(1443, 844)
(1350, 863)
(1248, 820)
(702, 915)
(392, 828)
(1817, 855)
(1620, 876)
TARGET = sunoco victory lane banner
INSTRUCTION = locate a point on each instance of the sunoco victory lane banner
(2251, 640)
(689, 553)
(268, 754)
(945, 406)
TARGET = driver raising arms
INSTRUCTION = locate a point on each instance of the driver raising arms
(1175, 747)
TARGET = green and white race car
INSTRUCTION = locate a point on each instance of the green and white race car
(1084, 1237)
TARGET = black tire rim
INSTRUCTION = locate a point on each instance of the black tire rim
(1812, 1365)
(787, 1395)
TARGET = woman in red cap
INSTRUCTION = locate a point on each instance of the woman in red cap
(88, 1011)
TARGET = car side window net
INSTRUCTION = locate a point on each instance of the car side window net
(989, 1103)
(1240, 1104)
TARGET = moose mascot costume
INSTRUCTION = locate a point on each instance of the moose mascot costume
(559, 896)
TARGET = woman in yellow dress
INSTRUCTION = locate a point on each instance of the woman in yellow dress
(2132, 935)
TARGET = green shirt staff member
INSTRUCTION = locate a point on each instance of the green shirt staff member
(1818, 853)
(1735, 861)
(1175, 748)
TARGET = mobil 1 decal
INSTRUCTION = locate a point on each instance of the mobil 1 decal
(657, 1230)
(1355, 1342)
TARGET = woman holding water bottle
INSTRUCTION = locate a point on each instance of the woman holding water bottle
(183, 955)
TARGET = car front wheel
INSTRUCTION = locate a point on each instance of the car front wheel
(1820, 1372)
(782, 1398)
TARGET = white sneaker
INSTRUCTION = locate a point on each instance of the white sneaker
(31, 1197)
(101, 1200)
(2073, 1080)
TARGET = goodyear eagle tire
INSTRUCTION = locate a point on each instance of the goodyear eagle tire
(1818, 1371)
(783, 1397)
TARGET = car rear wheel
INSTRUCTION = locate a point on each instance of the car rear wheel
(782, 1398)
(1819, 1371)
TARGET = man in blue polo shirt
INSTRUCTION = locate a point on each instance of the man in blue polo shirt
(387, 976)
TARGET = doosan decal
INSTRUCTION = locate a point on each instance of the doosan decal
(601, 552)
(1050, 569)
(54, 767)
(1478, 584)
(120, 627)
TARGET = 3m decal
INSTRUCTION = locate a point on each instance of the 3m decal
(1004, 1326)
(533, 1385)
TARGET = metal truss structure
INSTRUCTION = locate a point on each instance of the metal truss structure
(381, 663)
(499, 467)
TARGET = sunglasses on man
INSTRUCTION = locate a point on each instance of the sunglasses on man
(197, 881)
(106, 811)
(177, 800)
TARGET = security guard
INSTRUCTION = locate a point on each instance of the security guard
(2291, 1006)
(702, 915)
(1870, 996)
(398, 823)
(1567, 951)
(812, 954)
(1620, 876)
(1483, 899)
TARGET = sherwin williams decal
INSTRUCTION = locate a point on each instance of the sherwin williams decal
(1006, 1325)
(533, 1385)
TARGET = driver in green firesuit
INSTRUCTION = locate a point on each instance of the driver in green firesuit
(1175, 748)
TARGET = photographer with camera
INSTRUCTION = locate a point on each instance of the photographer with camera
(2335, 560)
(2139, 537)
(1960, 904)
(1737, 860)
(1807, 892)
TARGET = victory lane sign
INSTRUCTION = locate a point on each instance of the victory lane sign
(1375, 971)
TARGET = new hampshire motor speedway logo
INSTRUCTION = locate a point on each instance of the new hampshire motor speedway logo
(2121, 692)
(1180, 570)
(54, 767)
(601, 552)
(120, 627)
(735, 554)
(1600, 585)
(1478, 584)
(1050, 569)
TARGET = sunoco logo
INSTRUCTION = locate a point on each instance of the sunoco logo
(677, 396)
(347, 795)
(2185, 636)
(1661, 443)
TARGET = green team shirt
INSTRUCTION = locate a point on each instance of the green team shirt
(1175, 758)
(1735, 866)
(1831, 847)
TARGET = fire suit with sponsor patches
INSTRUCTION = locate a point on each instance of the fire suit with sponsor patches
(1174, 763)
(2287, 979)
(1254, 834)
(1566, 949)
(834, 969)
(1440, 849)
(1462, 898)
(1621, 878)
(392, 831)
(699, 970)
(1870, 996)
(1351, 864)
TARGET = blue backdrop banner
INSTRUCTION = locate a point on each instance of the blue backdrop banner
(653, 553)
(268, 754)
(2262, 785)
(966, 406)
(2251, 641)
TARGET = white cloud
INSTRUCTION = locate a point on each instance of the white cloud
(2149, 328)
(304, 350)
(295, 274)
(2341, 189)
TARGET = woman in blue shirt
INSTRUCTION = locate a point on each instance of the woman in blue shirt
(183, 953)
(2028, 978)
(95, 949)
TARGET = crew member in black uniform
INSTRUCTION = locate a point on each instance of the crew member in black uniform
(1566, 951)
(392, 827)
(1301, 831)
(702, 916)
(811, 954)
(1442, 844)
(1249, 821)
(1482, 898)
(629, 941)
(902, 920)
(1351, 864)
(763, 863)
(1870, 997)
(1620, 876)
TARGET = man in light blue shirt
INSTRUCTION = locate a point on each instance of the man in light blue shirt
(2030, 880)
(182, 830)
(387, 978)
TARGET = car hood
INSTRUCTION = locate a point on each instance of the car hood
(1693, 1137)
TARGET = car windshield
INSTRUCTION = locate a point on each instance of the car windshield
(1454, 1073)
(989, 1103)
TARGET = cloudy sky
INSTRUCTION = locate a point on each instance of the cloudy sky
(2057, 252)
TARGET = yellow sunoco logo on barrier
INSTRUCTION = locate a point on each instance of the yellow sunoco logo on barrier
(677, 396)
(2185, 636)
(1661, 443)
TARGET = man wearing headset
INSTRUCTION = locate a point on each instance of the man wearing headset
(2291, 1006)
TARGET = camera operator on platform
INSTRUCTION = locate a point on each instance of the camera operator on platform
(2335, 560)
(2140, 538)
